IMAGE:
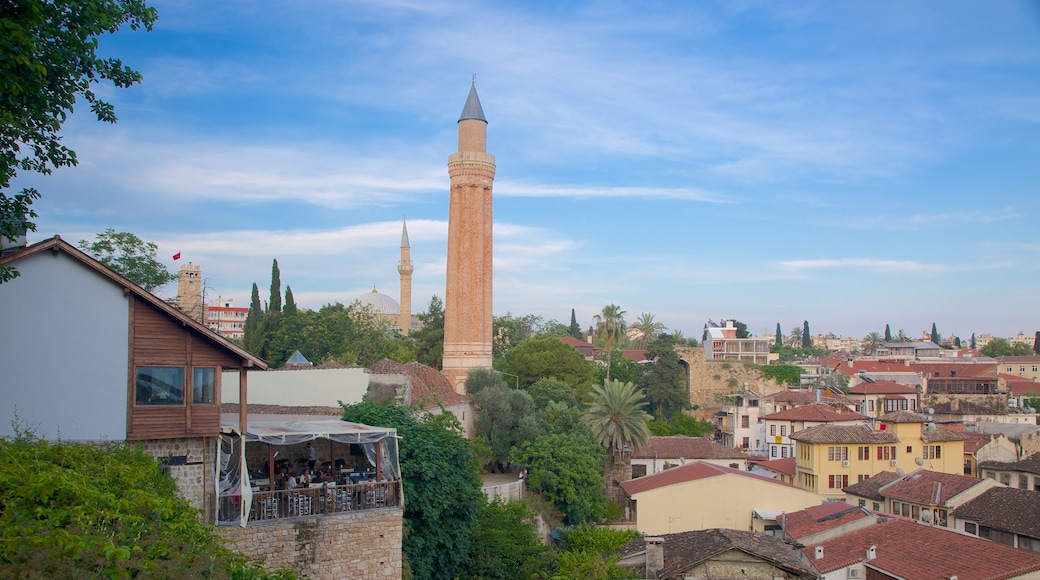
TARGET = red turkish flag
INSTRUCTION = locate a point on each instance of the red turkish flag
(177, 256)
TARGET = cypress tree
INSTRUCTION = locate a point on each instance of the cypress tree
(935, 334)
(779, 337)
(806, 337)
(888, 333)
(574, 330)
(1036, 342)
(973, 341)
(275, 304)
(290, 305)
(253, 339)
(957, 341)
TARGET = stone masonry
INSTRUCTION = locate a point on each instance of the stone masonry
(191, 464)
(353, 545)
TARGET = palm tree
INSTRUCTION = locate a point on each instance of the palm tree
(617, 419)
(644, 329)
(610, 325)
(616, 416)
(872, 341)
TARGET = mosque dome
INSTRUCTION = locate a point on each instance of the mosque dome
(380, 303)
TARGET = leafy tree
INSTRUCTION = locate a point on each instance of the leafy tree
(290, 303)
(902, 337)
(505, 419)
(566, 468)
(274, 305)
(574, 331)
(541, 357)
(83, 511)
(935, 334)
(590, 553)
(783, 374)
(48, 60)
(999, 347)
(254, 337)
(779, 335)
(131, 256)
(645, 328)
(545, 391)
(616, 416)
(429, 339)
(682, 424)
(806, 337)
(479, 379)
(441, 487)
(681, 340)
(610, 329)
(504, 543)
(888, 333)
(742, 331)
(621, 368)
(663, 381)
(508, 331)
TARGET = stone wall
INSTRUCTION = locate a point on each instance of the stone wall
(353, 545)
(711, 379)
(191, 463)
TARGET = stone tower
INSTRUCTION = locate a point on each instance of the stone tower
(467, 298)
(405, 269)
(189, 290)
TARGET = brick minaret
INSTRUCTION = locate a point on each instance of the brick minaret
(405, 269)
(467, 298)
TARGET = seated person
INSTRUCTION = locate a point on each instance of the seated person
(319, 477)
(305, 477)
(290, 481)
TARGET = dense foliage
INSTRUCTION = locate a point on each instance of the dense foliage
(567, 469)
(616, 416)
(506, 419)
(80, 511)
(999, 347)
(428, 341)
(504, 543)
(48, 60)
(131, 256)
(783, 374)
(663, 380)
(588, 553)
(682, 425)
(442, 494)
(545, 357)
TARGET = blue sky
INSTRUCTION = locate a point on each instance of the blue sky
(851, 164)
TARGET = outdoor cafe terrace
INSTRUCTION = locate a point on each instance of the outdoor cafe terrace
(357, 466)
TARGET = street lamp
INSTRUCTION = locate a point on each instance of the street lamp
(514, 376)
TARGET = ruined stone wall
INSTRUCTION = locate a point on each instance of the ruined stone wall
(353, 545)
(191, 464)
(711, 379)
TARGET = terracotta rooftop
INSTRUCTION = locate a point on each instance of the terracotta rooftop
(1022, 387)
(688, 448)
(685, 550)
(794, 397)
(959, 407)
(905, 549)
(955, 370)
(1030, 464)
(429, 387)
(869, 487)
(1005, 508)
(821, 517)
(785, 466)
(815, 412)
(976, 441)
(902, 417)
(690, 472)
(844, 434)
(928, 487)
(882, 388)
(940, 434)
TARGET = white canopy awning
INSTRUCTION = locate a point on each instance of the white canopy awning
(295, 429)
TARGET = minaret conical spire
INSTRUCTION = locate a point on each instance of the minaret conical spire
(404, 234)
(472, 109)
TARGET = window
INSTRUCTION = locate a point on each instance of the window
(885, 452)
(870, 405)
(906, 510)
(783, 430)
(864, 453)
(837, 453)
(772, 451)
(837, 481)
(746, 443)
(915, 513)
(783, 451)
(971, 528)
(861, 478)
(745, 421)
(1005, 478)
(159, 385)
(895, 507)
(772, 430)
(909, 449)
(896, 405)
(203, 385)
(877, 507)
(1023, 481)
(862, 503)
(932, 452)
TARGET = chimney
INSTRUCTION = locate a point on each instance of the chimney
(10, 245)
(654, 555)
(818, 552)
(871, 553)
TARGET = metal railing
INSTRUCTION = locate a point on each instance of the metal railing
(327, 499)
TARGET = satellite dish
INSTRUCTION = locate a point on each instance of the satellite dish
(926, 516)
(682, 461)
(919, 461)
(900, 472)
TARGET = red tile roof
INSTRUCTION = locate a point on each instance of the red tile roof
(1030, 464)
(1005, 508)
(870, 487)
(429, 387)
(902, 417)
(689, 472)
(815, 412)
(677, 446)
(844, 434)
(686, 550)
(928, 487)
(905, 549)
(785, 466)
(819, 518)
(955, 370)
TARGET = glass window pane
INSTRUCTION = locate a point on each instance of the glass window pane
(159, 386)
(203, 385)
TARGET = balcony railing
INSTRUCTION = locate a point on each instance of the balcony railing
(326, 499)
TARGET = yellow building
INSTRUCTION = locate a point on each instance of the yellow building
(702, 496)
(832, 457)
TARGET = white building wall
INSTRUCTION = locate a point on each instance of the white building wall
(63, 351)
(299, 388)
